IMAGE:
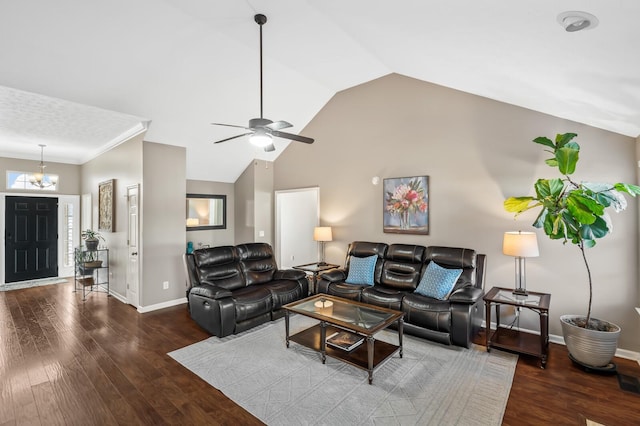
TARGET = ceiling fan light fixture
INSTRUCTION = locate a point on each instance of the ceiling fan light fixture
(261, 138)
(573, 21)
(262, 130)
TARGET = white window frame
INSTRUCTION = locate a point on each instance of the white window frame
(14, 177)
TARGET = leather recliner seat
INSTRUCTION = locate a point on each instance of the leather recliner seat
(235, 288)
(398, 270)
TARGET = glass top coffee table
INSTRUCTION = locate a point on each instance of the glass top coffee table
(359, 320)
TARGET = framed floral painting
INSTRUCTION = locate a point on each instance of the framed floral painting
(406, 205)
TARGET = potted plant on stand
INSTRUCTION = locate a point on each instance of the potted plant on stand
(90, 257)
(576, 212)
(91, 239)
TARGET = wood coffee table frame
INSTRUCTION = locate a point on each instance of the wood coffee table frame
(367, 356)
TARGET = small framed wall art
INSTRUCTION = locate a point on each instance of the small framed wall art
(406, 205)
(105, 206)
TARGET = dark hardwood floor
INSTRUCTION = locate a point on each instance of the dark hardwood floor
(564, 394)
(64, 361)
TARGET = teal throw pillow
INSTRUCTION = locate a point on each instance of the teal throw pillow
(437, 282)
(362, 270)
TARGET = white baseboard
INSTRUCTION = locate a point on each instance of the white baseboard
(145, 309)
(118, 296)
(553, 338)
(167, 304)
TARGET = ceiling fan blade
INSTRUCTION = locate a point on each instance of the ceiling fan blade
(233, 137)
(277, 125)
(269, 148)
(291, 136)
(230, 125)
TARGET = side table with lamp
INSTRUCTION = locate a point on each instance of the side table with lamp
(321, 234)
(314, 269)
(520, 245)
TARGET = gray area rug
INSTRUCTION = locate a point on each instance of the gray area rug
(32, 283)
(432, 384)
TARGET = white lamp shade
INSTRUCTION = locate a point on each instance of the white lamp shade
(520, 244)
(322, 233)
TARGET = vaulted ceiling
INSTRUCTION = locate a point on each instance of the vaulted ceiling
(83, 75)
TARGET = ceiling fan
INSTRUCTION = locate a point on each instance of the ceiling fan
(262, 130)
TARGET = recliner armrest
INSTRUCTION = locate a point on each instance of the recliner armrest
(210, 291)
(289, 274)
(334, 275)
(468, 295)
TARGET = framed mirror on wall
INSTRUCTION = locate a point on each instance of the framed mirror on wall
(206, 211)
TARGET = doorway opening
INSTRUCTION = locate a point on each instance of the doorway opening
(31, 238)
(40, 235)
(297, 214)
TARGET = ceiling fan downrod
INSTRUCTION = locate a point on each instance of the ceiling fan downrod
(260, 20)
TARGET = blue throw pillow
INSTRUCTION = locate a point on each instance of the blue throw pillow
(437, 282)
(362, 270)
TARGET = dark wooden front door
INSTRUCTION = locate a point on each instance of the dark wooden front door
(31, 238)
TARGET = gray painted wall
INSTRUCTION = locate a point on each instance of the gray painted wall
(263, 198)
(163, 223)
(244, 202)
(124, 164)
(214, 237)
(476, 152)
(68, 174)
(254, 203)
(161, 172)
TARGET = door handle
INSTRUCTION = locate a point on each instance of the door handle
(135, 253)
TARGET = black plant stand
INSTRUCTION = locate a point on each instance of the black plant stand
(91, 279)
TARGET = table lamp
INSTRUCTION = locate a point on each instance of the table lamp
(520, 245)
(322, 234)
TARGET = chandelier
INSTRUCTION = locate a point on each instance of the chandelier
(40, 179)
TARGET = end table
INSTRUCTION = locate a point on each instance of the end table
(505, 337)
(315, 269)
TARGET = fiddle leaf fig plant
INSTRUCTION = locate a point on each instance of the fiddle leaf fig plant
(571, 211)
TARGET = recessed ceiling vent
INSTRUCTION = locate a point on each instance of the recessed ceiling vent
(577, 21)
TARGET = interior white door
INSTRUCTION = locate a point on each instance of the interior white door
(297, 213)
(133, 234)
